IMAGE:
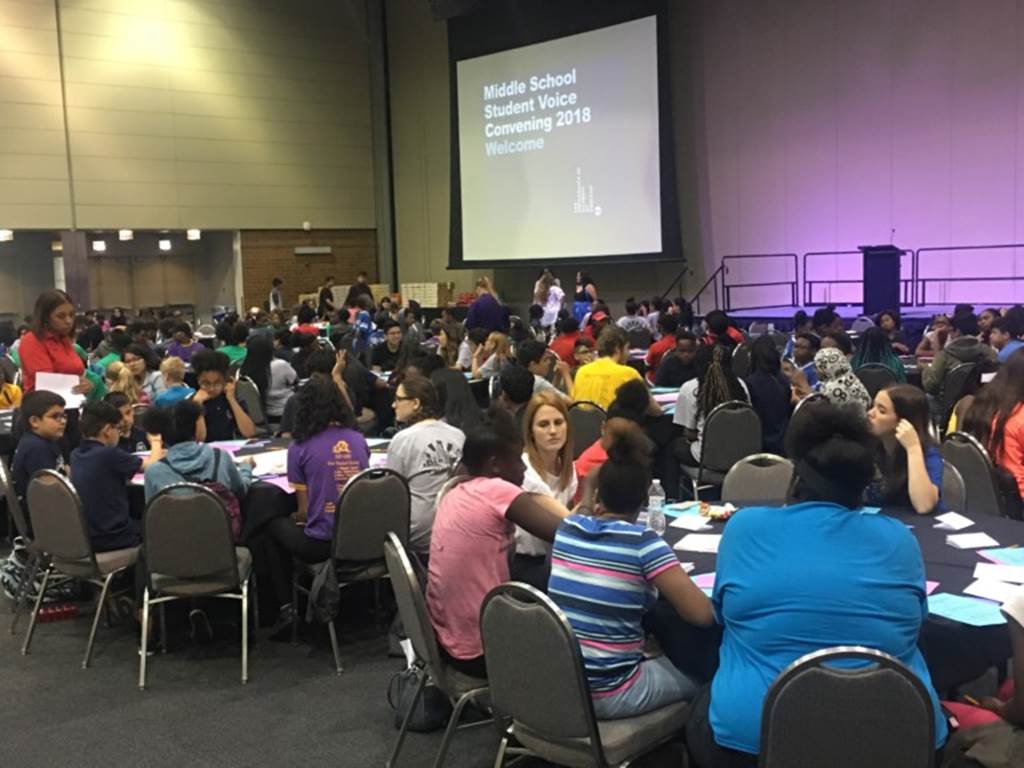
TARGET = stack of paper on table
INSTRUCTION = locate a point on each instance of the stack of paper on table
(692, 522)
(270, 463)
(991, 572)
(966, 610)
(699, 542)
(989, 589)
(971, 540)
(1005, 555)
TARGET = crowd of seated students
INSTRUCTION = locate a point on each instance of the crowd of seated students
(512, 510)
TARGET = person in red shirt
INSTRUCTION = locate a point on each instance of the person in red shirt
(721, 327)
(564, 343)
(667, 325)
(49, 347)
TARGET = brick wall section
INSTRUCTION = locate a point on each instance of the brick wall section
(267, 254)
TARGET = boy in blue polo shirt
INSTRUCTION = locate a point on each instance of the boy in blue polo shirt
(43, 419)
(100, 472)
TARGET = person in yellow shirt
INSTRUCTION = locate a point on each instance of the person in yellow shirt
(10, 393)
(600, 380)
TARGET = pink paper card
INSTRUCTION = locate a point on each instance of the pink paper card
(280, 481)
(930, 586)
(705, 580)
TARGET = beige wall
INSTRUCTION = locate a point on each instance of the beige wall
(33, 159)
(420, 135)
(186, 113)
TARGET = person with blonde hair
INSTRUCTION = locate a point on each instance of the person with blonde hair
(173, 371)
(547, 455)
(487, 311)
(489, 357)
(120, 378)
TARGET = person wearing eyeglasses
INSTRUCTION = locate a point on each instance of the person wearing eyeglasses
(43, 420)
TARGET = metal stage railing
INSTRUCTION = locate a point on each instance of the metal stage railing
(925, 256)
(906, 284)
(722, 287)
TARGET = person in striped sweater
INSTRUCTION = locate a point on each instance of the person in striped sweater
(606, 572)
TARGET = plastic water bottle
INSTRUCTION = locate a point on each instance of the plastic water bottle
(655, 508)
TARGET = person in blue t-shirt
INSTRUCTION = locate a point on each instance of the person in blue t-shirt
(813, 575)
(909, 462)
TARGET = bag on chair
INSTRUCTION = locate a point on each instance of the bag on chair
(433, 708)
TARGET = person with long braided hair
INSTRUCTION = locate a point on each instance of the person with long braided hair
(715, 384)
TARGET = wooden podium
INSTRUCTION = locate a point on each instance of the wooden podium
(881, 277)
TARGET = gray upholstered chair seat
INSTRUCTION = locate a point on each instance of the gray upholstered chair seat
(623, 739)
(349, 571)
(456, 684)
(709, 476)
(207, 584)
(106, 562)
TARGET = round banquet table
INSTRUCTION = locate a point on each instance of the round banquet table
(956, 653)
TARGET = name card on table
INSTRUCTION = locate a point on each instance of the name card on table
(971, 540)
(966, 610)
(952, 521)
(1012, 573)
(1005, 555)
(690, 522)
(699, 542)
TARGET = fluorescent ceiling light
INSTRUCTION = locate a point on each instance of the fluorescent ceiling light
(125, 234)
(193, 234)
(6, 235)
(165, 245)
(99, 245)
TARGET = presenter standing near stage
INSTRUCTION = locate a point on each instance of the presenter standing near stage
(586, 294)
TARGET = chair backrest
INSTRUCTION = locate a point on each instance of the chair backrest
(862, 324)
(954, 386)
(813, 707)
(534, 666)
(763, 478)
(972, 461)
(812, 397)
(247, 392)
(205, 329)
(586, 419)
(373, 503)
(741, 361)
(58, 523)
(187, 535)
(875, 377)
(732, 431)
(954, 490)
(639, 338)
(13, 502)
(412, 608)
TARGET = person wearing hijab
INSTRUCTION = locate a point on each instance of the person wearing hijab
(837, 381)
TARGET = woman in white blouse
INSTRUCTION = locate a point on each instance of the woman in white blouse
(547, 438)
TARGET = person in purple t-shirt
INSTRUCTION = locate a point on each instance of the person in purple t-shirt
(184, 344)
(326, 454)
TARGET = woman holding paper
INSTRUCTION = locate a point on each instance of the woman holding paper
(909, 463)
(818, 573)
(50, 348)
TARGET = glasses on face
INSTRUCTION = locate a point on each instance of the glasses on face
(62, 416)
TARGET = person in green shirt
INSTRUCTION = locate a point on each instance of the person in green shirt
(235, 350)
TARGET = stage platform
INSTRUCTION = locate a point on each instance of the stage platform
(914, 319)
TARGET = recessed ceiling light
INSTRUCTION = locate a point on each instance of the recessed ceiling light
(193, 234)
(6, 235)
(99, 245)
(165, 245)
(125, 234)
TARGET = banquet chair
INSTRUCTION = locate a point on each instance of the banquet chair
(741, 361)
(763, 478)
(955, 385)
(586, 419)
(875, 377)
(971, 460)
(811, 398)
(539, 685)
(16, 515)
(190, 553)
(954, 490)
(813, 708)
(62, 539)
(247, 392)
(732, 431)
(372, 504)
(862, 325)
(460, 689)
(639, 338)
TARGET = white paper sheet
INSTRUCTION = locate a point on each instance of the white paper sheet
(952, 521)
(971, 540)
(270, 463)
(690, 522)
(993, 572)
(699, 542)
(999, 591)
(61, 384)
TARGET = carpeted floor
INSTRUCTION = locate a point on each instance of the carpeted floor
(294, 711)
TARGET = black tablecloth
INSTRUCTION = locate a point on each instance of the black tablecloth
(955, 653)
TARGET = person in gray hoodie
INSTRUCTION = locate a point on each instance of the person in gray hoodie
(963, 346)
(183, 430)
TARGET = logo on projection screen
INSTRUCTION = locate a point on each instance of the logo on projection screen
(584, 202)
